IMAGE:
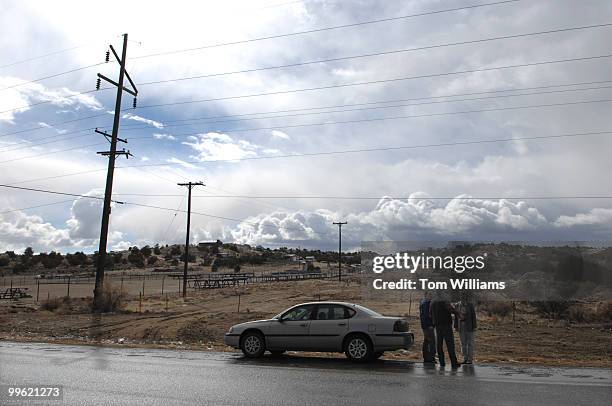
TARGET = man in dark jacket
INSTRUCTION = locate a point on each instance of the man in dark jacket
(429, 338)
(441, 314)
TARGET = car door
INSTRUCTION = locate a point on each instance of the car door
(328, 327)
(291, 330)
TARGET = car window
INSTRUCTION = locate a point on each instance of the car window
(333, 312)
(367, 311)
(298, 313)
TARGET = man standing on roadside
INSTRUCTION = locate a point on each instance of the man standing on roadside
(429, 338)
(441, 314)
(466, 327)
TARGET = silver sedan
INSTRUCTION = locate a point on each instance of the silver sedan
(361, 333)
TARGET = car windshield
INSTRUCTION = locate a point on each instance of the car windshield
(367, 311)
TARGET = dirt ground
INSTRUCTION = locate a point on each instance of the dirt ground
(200, 321)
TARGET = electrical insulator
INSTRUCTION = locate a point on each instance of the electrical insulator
(134, 104)
(98, 84)
(107, 56)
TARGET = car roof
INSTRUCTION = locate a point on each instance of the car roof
(326, 302)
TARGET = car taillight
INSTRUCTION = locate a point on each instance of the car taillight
(400, 326)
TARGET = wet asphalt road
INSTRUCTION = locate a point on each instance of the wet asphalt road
(122, 376)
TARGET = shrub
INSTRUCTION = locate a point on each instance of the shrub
(501, 309)
(146, 251)
(112, 299)
(52, 304)
(78, 258)
(152, 260)
(552, 309)
(51, 260)
(577, 313)
(4, 261)
(19, 267)
(136, 258)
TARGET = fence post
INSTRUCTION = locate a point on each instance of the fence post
(139, 302)
(409, 304)
(143, 285)
(68, 294)
(37, 289)
(163, 280)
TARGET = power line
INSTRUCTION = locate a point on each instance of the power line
(36, 207)
(373, 54)
(56, 192)
(459, 197)
(52, 76)
(380, 81)
(401, 100)
(51, 152)
(28, 106)
(40, 127)
(175, 213)
(402, 117)
(40, 56)
(336, 27)
(139, 127)
(377, 149)
(266, 38)
(65, 175)
(481, 40)
(325, 153)
(375, 107)
(149, 206)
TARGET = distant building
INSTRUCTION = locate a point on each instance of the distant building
(207, 244)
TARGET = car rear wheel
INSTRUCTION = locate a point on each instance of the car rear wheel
(358, 348)
(253, 345)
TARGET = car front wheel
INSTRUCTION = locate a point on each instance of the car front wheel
(253, 345)
(358, 348)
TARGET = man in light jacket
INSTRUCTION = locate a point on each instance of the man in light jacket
(466, 325)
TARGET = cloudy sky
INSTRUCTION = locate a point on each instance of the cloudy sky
(477, 191)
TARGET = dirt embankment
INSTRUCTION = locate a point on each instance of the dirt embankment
(200, 321)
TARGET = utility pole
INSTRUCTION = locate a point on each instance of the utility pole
(112, 139)
(340, 224)
(190, 185)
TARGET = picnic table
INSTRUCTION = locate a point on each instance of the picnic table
(214, 283)
(14, 293)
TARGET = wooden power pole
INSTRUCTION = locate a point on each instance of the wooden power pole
(340, 224)
(190, 185)
(112, 139)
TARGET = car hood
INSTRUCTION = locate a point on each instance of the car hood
(251, 323)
